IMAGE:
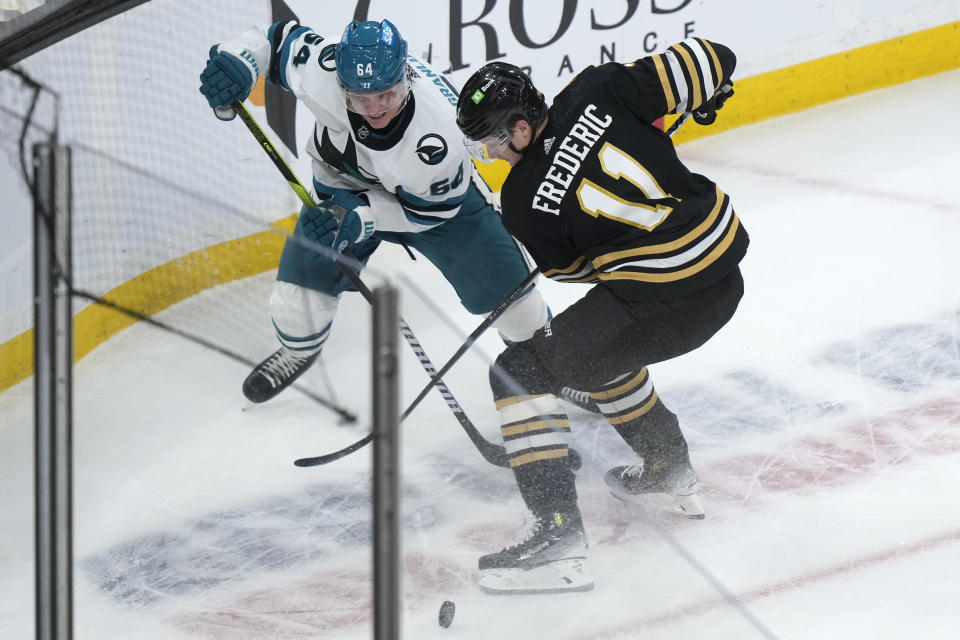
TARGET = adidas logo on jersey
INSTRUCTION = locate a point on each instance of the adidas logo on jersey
(548, 144)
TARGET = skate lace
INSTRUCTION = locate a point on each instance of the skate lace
(633, 471)
(282, 364)
(580, 397)
(658, 478)
(531, 526)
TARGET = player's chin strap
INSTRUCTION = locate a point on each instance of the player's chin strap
(493, 453)
(536, 128)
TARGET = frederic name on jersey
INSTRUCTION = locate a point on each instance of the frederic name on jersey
(566, 162)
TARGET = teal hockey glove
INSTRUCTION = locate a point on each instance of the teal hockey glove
(227, 79)
(357, 222)
(318, 225)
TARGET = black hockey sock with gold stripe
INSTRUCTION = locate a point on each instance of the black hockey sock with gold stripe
(632, 406)
(535, 431)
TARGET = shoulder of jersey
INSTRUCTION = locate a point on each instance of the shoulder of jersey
(434, 126)
(590, 79)
(327, 53)
(431, 86)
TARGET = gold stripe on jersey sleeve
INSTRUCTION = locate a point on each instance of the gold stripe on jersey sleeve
(629, 385)
(682, 241)
(576, 272)
(665, 81)
(673, 276)
(691, 65)
(716, 61)
(573, 267)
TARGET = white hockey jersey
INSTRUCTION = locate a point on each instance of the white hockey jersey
(415, 172)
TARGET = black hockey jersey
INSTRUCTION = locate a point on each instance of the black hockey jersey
(601, 195)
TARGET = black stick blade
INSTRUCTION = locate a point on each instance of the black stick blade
(336, 455)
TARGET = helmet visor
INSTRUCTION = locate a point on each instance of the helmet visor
(489, 147)
(375, 104)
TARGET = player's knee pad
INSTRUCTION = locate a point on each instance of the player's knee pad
(524, 318)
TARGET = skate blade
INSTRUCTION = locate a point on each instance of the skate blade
(553, 577)
(690, 506)
(687, 506)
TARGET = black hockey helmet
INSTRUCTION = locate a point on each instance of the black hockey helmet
(495, 97)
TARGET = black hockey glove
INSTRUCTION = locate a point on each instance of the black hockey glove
(707, 112)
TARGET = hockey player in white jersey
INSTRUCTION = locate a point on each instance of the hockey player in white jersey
(387, 151)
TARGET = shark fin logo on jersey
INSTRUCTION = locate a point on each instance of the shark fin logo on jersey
(327, 60)
(432, 149)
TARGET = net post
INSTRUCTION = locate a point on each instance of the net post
(386, 465)
(53, 362)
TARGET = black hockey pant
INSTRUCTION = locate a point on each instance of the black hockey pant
(601, 344)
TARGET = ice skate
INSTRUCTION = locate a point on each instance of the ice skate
(579, 399)
(550, 559)
(275, 374)
(680, 481)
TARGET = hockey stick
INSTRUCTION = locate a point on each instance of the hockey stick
(483, 326)
(493, 453)
(679, 122)
(496, 313)
(435, 378)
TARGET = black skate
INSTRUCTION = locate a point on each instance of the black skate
(551, 558)
(580, 399)
(679, 481)
(275, 374)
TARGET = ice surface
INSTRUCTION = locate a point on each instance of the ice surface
(824, 422)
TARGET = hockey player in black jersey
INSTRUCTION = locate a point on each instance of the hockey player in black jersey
(597, 194)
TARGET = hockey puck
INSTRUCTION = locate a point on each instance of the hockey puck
(447, 609)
